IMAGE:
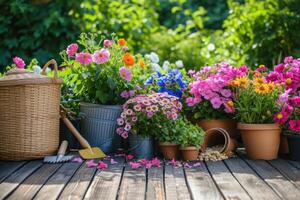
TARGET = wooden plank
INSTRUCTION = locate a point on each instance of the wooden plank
(133, 184)
(295, 163)
(155, 184)
(16, 178)
(290, 172)
(33, 183)
(201, 183)
(251, 182)
(228, 185)
(8, 167)
(283, 187)
(106, 182)
(79, 183)
(175, 184)
(57, 182)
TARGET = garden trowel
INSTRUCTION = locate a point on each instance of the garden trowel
(88, 152)
(60, 157)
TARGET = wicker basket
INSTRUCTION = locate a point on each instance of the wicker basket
(29, 114)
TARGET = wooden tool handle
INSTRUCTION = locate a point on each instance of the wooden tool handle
(83, 142)
(63, 148)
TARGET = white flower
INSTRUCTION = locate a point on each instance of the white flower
(179, 63)
(166, 65)
(211, 47)
(155, 67)
(36, 69)
(154, 57)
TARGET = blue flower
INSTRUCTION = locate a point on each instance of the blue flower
(181, 83)
(149, 81)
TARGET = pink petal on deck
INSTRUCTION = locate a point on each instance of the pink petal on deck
(102, 165)
(144, 161)
(77, 159)
(135, 165)
(112, 161)
(197, 164)
(129, 157)
(155, 162)
(91, 163)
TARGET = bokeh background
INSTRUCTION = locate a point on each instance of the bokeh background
(198, 32)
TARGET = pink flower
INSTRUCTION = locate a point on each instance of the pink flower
(72, 49)
(190, 101)
(281, 117)
(144, 161)
(135, 165)
(288, 109)
(155, 162)
(284, 97)
(226, 93)
(216, 102)
(127, 127)
(129, 157)
(84, 58)
(120, 121)
(102, 165)
(113, 162)
(77, 159)
(295, 101)
(19, 62)
(294, 125)
(91, 163)
(101, 56)
(125, 94)
(125, 73)
(124, 134)
(279, 68)
(107, 43)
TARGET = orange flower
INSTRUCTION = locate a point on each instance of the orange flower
(257, 74)
(258, 81)
(262, 66)
(142, 63)
(230, 103)
(288, 81)
(122, 42)
(128, 59)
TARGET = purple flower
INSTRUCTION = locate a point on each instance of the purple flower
(125, 94)
(107, 43)
(226, 93)
(216, 102)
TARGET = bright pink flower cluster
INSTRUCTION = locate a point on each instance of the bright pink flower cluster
(146, 107)
(19, 62)
(286, 73)
(212, 84)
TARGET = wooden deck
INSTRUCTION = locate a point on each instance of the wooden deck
(235, 178)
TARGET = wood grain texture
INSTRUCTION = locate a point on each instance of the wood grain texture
(17, 177)
(79, 183)
(33, 183)
(228, 185)
(133, 185)
(283, 187)
(175, 184)
(251, 182)
(8, 167)
(106, 182)
(201, 183)
(155, 183)
(57, 182)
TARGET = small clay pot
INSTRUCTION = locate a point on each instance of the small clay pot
(219, 136)
(169, 150)
(284, 146)
(261, 140)
(226, 124)
(189, 153)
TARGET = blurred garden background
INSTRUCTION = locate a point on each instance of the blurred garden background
(198, 32)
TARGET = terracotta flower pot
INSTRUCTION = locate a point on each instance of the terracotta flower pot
(261, 140)
(219, 136)
(169, 150)
(226, 124)
(189, 153)
(284, 146)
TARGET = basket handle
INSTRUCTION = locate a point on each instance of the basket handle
(53, 62)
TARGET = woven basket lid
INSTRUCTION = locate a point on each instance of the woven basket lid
(24, 77)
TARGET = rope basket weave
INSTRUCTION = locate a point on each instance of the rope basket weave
(29, 114)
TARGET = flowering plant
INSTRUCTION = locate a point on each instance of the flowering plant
(145, 114)
(255, 99)
(102, 70)
(210, 94)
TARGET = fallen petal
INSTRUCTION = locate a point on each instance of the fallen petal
(91, 163)
(77, 159)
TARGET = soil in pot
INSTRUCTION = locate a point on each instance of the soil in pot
(261, 140)
(189, 153)
(294, 146)
(226, 124)
(169, 150)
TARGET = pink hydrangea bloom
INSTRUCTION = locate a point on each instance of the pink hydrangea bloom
(101, 56)
(294, 125)
(125, 73)
(19, 62)
(107, 43)
(72, 49)
(84, 58)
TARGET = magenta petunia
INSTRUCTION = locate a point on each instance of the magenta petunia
(19, 62)
(294, 125)
(125, 73)
(101, 56)
(84, 58)
(72, 49)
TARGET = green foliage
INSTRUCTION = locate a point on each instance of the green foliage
(190, 135)
(37, 30)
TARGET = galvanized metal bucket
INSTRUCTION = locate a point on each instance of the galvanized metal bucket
(99, 125)
(141, 147)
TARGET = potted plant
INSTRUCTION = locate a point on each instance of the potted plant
(211, 98)
(191, 138)
(142, 118)
(255, 103)
(101, 75)
(287, 74)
